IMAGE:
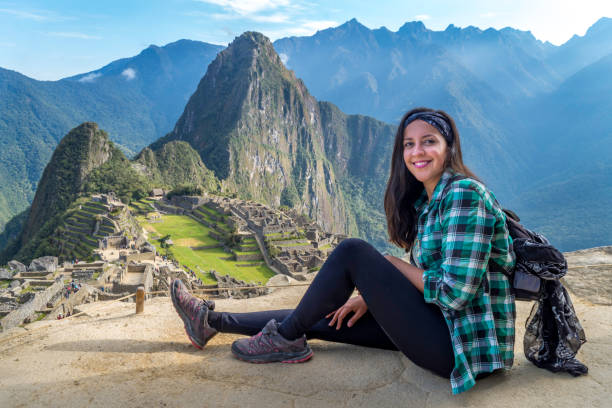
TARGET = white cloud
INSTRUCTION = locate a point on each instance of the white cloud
(79, 36)
(301, 28)
(25, 14)
(129, 73)
(284, 58)
(36, 15)
(422, 17)
(90, 77)
(316, 25)
(246, 7)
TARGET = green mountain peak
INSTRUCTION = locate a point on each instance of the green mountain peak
(257, 127)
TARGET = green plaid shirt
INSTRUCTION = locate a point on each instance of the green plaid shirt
(457, 236)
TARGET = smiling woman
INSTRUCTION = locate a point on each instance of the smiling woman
(447, 312)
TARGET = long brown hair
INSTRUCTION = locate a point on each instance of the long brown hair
(403, 189)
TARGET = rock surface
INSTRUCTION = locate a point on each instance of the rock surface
(113, 357)
(16, 266)
(45, 263)
(5, 274)
(590, 274)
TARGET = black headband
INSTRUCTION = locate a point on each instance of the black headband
(436, 120)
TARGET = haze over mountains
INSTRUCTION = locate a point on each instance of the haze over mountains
(534, 118)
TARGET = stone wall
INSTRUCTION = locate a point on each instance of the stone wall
(226, 282)
(28, 310)
(187, 202)
(281, 267)
(255, 256)
(169, 209)
(138, 257)
(83, 274)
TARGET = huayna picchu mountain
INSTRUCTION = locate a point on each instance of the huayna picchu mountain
(64, 221)
(258, 128)
(84, 161)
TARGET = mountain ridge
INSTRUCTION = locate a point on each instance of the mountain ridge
(493, 117)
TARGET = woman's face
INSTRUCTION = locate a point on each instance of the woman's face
(425, 151)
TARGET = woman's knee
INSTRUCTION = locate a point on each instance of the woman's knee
(355, 252)
(354, 247)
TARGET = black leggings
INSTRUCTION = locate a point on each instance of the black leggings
(397, 319)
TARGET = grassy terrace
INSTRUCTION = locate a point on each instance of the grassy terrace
(279, 236)
(293, 244)
(140, 207)
(206, 215)
(186, 233)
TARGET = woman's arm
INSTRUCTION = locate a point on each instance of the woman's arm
(411, 272)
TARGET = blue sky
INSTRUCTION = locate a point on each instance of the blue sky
(52, 39)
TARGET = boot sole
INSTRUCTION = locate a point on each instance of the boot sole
(290, 358)
(187, 322)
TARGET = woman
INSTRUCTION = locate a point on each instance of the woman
(452, 313)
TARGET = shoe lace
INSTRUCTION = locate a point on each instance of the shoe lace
(264, 341)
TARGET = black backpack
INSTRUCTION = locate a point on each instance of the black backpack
(553, 333)
(536, 259)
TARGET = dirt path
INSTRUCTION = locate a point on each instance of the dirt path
(116, 358)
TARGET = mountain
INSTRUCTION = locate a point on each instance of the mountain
(533, 117)
(173, 164)
(259, 129)
(362, 70)
(579, 52)
(137, 99)
(570, 141)
(84, 161)
(474, 75)
(359, 148)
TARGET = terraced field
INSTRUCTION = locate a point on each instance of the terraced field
(188, 234)
(78, 240)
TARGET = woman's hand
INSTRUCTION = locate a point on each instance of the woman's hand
(356, 305)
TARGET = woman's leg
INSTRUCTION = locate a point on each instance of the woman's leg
(416, 328)
(366, 332)
(397, 317)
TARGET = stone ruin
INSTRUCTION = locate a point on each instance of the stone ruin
(226, 282)
(28, 291)
(295, 254)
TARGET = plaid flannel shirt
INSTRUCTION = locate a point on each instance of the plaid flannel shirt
(457, 236)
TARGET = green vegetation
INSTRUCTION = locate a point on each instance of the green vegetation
(140, 207)
(177, 164)
(36, 114)
(85, 162)
(40, 316)
(118, 176)
(187, 233)
(291, 244)
(4, 283)
(186, 190)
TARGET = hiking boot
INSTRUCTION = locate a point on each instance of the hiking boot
(194, 313)
(270, 346)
